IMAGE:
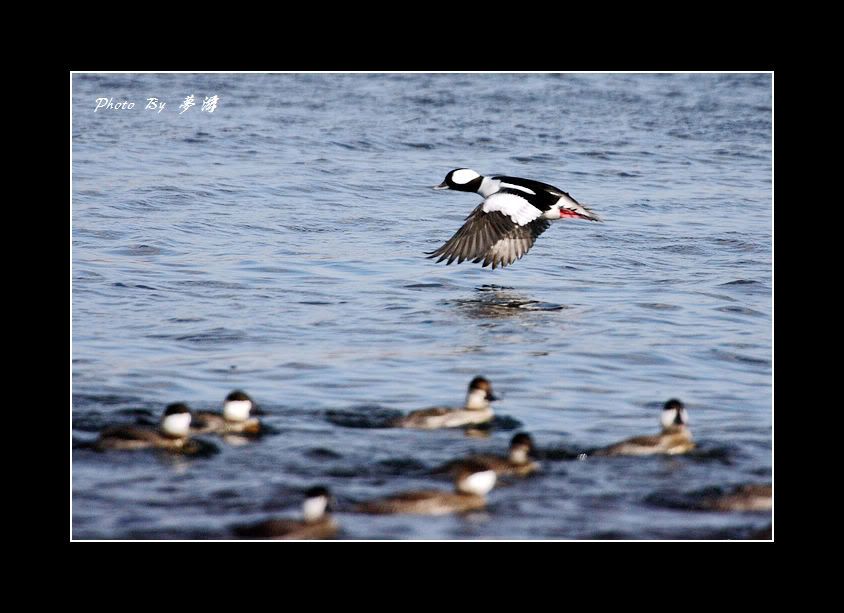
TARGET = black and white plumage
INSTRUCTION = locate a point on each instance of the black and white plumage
(505, 225)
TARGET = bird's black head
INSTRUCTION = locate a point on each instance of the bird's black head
(522, 439)
(461, 180)
(482, 383)
(175, 408)
(238, 395)
(673, 414)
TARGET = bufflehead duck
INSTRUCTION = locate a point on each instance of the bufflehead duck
(172, 433)
(750, 497)
(476, 410)
(235, 418)
(505, 225)
(674, 439)
(472, 483)
(518, 461)
(317, 522)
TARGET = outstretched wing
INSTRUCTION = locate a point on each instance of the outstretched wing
(480, 233)
(514, 245)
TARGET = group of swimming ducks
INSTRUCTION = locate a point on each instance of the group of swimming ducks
(474, 477)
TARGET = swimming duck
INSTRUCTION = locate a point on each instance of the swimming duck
(317, 523)
(675, 437)
(476, 410)
(172, 433)
(472, 483)
(235, 419)
(749, 497)
(517, 462)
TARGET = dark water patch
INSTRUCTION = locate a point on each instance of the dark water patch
(366, 416)
(211, 284)
(137, 286)
(138, 250)
(740, 310)
(321, 453)
(314, 228)
(556, 454)
(690, 501)
(402, 466)
(684, 249)
(498, 422)
(303, 366)
(359, 145)
(169, 534)
(706, 452)
(609, 535)
(539, 157)
(658, 306)
(215, 335)
(136, 413)
(85, 400)
(736, 357)
(707, 499)
(741, 282)
(320, 302)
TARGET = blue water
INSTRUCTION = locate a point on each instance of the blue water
(276, 245)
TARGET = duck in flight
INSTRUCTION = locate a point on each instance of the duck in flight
(505, 225)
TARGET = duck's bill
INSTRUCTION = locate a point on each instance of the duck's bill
(442, 185)
(492, 397)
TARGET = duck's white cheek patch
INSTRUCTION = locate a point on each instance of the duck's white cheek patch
(667, 418)
(177, 424)
(516, 208)
(237, 410)
(464, 175)
(313, 508)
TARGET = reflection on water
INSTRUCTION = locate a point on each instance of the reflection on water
(496, 302)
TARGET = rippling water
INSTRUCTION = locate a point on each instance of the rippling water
(276, 245)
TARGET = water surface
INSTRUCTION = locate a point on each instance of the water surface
(276, 245)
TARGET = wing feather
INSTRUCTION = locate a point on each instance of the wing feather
(514, 245)
(481, 231)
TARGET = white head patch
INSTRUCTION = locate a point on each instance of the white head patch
(476, 399)
(177, 424)
(237, 410)
(519, 454)
(314, 508)
(667, 417)
(477, 483)
(464, 175)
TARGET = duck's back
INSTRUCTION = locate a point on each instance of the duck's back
(440, 417)
(133, 437)
(289, 529)
(753, 497)
(424, 503)
(668, 443)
